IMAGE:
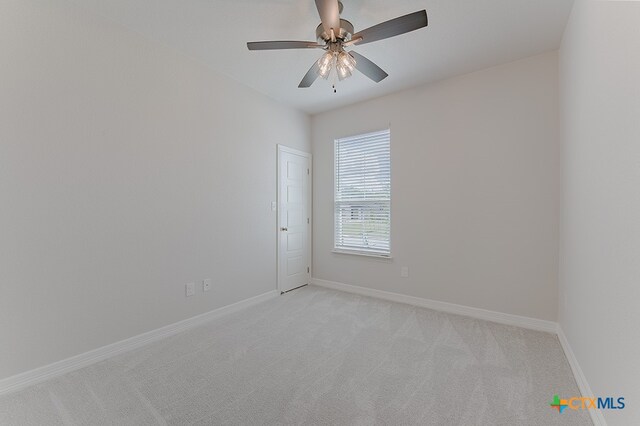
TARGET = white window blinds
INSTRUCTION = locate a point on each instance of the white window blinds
(363, 194)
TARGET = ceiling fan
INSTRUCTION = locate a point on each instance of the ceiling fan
(335, 34)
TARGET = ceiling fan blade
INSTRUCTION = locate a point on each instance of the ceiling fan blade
(368, 68)
(393, 27)
(329, 12)
(310, 76)
(274, 45)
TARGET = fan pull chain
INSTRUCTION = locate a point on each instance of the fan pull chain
(334, 73)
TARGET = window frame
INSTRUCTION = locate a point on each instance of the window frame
(360, 252)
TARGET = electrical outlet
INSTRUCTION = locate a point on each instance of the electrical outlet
(206, 285)
(404, 272)
(274, 206)
(190, 289)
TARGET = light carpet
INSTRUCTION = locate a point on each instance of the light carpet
(318, 356)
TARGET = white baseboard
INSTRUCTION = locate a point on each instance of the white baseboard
(28, 378)
(499, 317)
(581, 380)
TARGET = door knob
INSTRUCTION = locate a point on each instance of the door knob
(284, 229)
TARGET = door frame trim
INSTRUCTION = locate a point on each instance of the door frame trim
(285, 149)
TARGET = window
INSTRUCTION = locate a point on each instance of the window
(362, 200)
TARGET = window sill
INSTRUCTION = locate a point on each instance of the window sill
(363, 253)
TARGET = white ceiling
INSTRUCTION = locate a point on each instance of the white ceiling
(462, 36)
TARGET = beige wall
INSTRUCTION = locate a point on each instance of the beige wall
(474, 190)
(126, 171)
(599, 307)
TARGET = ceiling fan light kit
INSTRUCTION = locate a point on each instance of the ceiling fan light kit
(335, 34)
(336, 58)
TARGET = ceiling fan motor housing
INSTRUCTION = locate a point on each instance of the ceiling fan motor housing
(344, 33)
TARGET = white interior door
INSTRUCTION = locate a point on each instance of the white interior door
(294, 218)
